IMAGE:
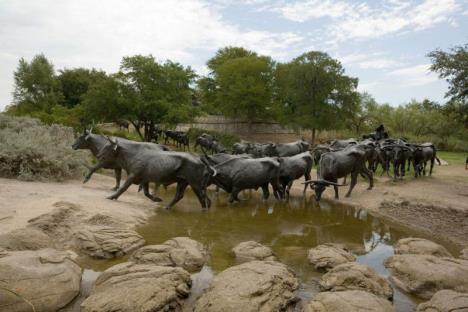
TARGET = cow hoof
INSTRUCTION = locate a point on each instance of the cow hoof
(114, 188)
(112, 198)
(156, 199)
(85, 180)
(167, 207)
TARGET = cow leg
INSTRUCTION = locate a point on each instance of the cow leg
(266, 191)
(344, 180)
(123, 188)
(336, 192)
(353, 183)
(288, 189)
(370, 176)
(147, 193)
(201, 195)
(277, 188)
(395, 170)
(424, 167)
(92, 170)
(181, 186)
(432, 166)
(233, 196)
(118, 176)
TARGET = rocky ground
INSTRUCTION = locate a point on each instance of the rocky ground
(44, 227)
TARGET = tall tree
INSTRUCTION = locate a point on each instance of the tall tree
(75, 82)
(453, 66)
(239, 85)
(36, 86)
(313, 92)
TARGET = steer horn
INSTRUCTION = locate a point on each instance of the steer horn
(209, 166)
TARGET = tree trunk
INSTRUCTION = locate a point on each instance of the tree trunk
(313, 136)
(137, 128)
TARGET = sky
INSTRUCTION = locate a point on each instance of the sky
(383, 43)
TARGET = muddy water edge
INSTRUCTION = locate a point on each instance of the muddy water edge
(289, 228)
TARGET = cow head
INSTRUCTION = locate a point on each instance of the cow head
(82, 142)
(320, 185)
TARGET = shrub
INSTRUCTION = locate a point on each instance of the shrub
(30, 150)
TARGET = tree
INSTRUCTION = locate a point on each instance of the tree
(360, 120)
(74, 84)
(239, 85)
(36, 87)
(453, 67)
(313, 93)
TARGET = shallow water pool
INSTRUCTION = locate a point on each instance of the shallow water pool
(289, 228)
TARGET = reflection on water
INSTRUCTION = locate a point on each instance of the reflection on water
(289, 228)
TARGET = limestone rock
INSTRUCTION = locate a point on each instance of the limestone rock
(254, 286)
(348, 301)
(129, 287)
(420, 246)
(328, 256)
(251, 250)
(424, 275)
(356, 276)
(28, 238)
(445, 301)
(177, 252)
(47, 278)
(464, 254)
(106, 241)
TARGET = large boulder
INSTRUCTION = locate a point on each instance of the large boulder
(424, 275)
(101, 241)
(328, 256)
(129, 287)
(28, 238)
(47, 279)
(445, 301)
(420, 246)
(348, 301)
(251, 250)
(177, 252)
(356, 276)
(254, 286)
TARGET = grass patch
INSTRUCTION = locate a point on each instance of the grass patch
(453, 158)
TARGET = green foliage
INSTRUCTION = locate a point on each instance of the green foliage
(240, 84)
(313, 92)
(453, 66)
(36, 87)
(75, 83)
(30, 150)
(227, 140)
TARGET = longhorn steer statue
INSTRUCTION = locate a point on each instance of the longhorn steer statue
(338, 164)
(239, 173)
(145, 165)
(293, 168)
(287, 149)
(95, 142)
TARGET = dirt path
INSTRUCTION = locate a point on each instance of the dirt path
(21, 201)
(435, 205)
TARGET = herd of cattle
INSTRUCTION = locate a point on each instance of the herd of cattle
(251, 165)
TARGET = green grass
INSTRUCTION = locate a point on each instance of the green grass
(453, 158)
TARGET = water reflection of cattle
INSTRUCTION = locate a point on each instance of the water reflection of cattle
(145, 165)
(335, 165)
(237, 174)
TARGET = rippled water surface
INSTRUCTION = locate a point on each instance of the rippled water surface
(289, 228)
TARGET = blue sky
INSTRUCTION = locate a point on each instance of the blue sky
(383, 43)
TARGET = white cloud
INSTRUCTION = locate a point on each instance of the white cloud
(98, 33)
(412, 76)
(361, 21)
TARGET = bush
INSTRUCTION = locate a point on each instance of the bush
(30, 150)
(227, 140)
